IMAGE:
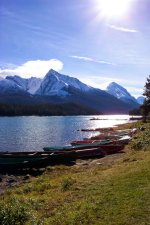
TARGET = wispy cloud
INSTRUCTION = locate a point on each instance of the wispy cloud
(92, 60)
(122, 29)
(5, 12)
(36, 68)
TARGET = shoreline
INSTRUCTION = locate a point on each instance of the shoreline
(15, 178)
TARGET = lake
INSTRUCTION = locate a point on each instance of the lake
(32, 133)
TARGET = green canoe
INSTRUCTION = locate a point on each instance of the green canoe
(77, 147)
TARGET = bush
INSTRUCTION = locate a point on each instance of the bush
(141, 141)
(13, 213)
(67, 183)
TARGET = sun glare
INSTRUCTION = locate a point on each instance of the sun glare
(114, 8)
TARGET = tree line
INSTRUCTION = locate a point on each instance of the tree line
(45, 110)
(144, 109)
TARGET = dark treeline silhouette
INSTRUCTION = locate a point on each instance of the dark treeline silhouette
(135, 112)
(145, 108)
(45, 110)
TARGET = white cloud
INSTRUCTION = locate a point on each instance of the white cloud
(37, 68)
(92, 60)
(123, 29)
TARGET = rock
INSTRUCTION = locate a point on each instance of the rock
(142, 128)
(11, 180)
(99, 163)
(26, 177)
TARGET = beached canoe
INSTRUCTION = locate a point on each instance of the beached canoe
(110, 149)
(98, 152)
(123, 140)
(120, 140)
(34, 159)
(90, 141)
(89, 153)
(107, 136)
(76, 147)
(23, 160)
(8, 162)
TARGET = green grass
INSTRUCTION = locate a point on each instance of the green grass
(117, 194)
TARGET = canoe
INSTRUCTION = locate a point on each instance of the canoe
(124, 140)
(110, 149)
(98, 129)
(15, 160)
(118, 140)
(106, 136)
(75, 147)
(98, 152)
(90, 141)
(19, 157)
(21, 160)
(89, 153)
(34, 159)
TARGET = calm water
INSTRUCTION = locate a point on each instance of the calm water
(34, 133)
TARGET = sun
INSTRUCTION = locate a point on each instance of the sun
(114, 8)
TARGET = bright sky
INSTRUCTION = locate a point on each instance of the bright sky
(97, 41)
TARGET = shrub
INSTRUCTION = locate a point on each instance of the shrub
(67, 183)
(13, 213)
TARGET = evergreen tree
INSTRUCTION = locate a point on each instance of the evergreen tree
(146, 105)
(147, 90)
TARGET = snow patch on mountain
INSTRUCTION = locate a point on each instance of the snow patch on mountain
(30, 85)
(33, 84)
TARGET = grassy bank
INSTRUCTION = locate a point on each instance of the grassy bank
(90, 192)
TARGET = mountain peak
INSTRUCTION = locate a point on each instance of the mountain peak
(58, 84)
(113, 83)
(120, 92)
(51, 71)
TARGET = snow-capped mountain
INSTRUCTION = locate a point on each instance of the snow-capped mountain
(30, 85)
(120, 92)
(56, 88)
(140, 100)
(58, 84)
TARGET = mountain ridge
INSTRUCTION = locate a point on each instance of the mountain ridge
(61, 89)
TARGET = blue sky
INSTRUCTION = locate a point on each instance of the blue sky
(73, 37)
